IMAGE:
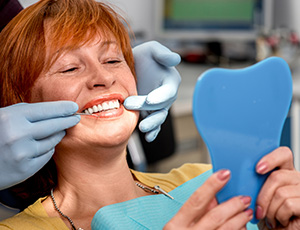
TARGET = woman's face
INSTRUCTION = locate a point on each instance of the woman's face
(98, 79)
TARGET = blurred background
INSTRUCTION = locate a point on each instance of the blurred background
(207, 34)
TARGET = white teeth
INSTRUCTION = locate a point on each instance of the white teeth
(95, 109)
(111, 104)
(115, 104)
(105, 106)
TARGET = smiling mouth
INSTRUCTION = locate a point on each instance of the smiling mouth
(103, 107)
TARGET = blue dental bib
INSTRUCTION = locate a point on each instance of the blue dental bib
(148, 212)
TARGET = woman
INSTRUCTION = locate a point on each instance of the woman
(149, 55)
(79, 50)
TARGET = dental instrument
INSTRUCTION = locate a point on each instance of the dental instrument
(85, 114)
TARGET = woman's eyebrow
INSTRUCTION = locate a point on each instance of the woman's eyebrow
(109, 42)
(105, 46)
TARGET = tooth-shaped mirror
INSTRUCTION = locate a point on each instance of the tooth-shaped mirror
(240, 115)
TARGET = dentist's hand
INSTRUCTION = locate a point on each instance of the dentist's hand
(29, 133)
(157, 84)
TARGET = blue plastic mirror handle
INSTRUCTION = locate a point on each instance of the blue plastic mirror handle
(240, 116)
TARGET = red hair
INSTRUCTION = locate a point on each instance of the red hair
(72, 23)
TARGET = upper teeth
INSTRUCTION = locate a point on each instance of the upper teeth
(103, 107)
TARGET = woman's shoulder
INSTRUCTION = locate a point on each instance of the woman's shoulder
(33, 217)
(174, 178)
(191, 170)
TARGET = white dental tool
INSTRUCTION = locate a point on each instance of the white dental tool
(85, 114)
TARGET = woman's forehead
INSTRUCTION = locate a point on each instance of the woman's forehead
(71, 38)
(58, 43)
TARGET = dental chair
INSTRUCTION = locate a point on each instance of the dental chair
(142, 153)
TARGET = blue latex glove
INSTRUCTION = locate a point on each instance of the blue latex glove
(157, 84)
(29, 133)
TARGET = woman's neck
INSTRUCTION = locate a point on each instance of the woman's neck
(87, 181)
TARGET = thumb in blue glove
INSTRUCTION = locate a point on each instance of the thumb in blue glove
(157, 84)
(29, 133)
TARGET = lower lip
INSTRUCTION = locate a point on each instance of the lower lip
(109, 113)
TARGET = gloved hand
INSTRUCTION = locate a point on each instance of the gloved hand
(29, 133)
(157, 84)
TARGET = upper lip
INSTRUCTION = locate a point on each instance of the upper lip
(103, 98)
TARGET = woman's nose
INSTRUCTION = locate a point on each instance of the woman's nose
(100, 77)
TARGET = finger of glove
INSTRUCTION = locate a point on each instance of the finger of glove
(47, 110)
(19, 175)
(25, 170)
(165, 94)
(44, 146)
(135, 102)
(164, 56)
(47, 128)
(140, 103)
(150, 136)
(153, 120)
(38, 162)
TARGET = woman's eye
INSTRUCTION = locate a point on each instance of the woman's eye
(113, 61)
(69, 70)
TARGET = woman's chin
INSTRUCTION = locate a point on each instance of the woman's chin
(103, 134)
(114, 136)
(113, 141)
